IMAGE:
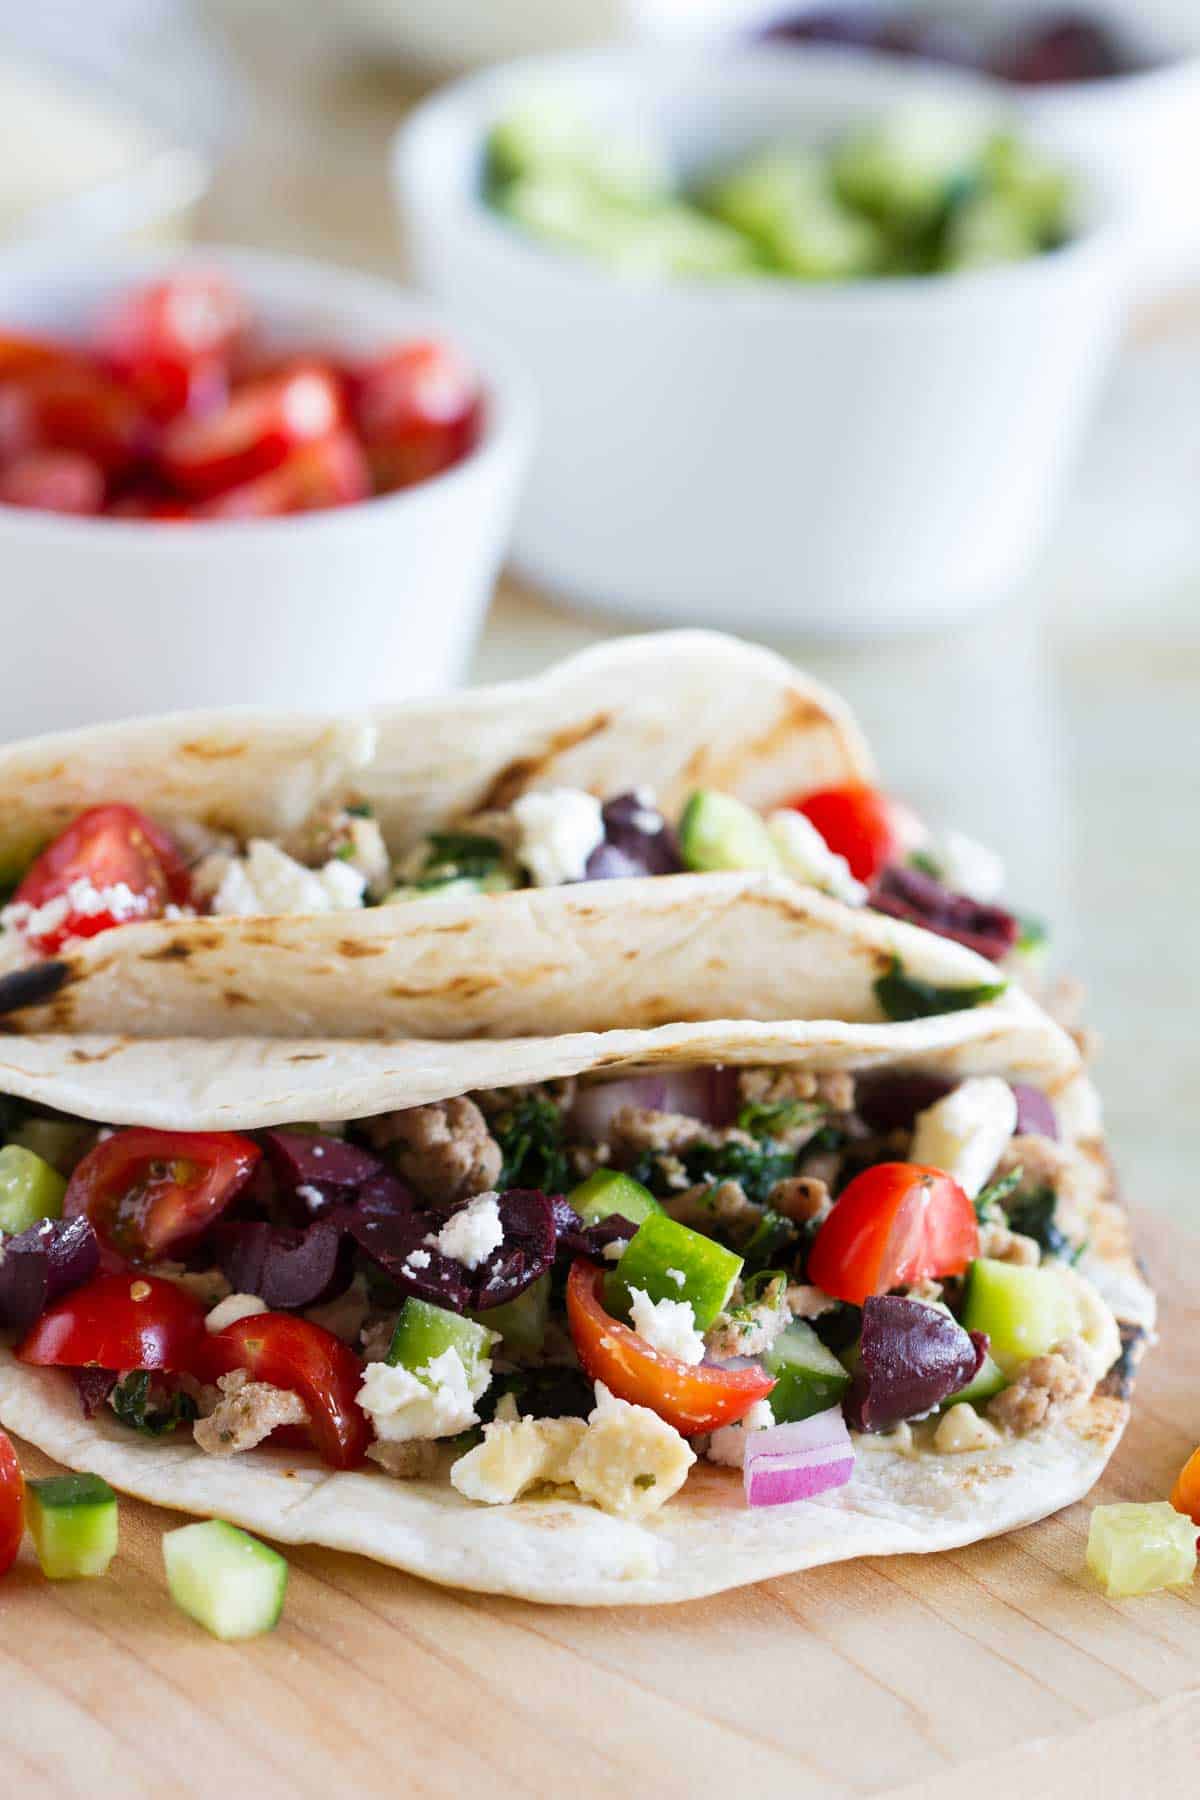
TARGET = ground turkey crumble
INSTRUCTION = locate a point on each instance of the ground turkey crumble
(1055, 1383)
(446, 1151)
(247, 1412)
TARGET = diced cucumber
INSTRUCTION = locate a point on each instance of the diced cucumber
(659, 1253)
(29, 1189)
(718, 832)
(808, 1378)
(608, 1192)
(521, 1323)
(1024, 1311)
(424, 1331)
(1137, 1547)
(57, 1141)
(455, 887)
(983, 1386)
(225, 1579)
(72, 1520)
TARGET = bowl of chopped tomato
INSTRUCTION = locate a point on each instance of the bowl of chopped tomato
(235, 478)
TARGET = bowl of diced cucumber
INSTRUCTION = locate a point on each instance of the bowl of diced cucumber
(815, 337)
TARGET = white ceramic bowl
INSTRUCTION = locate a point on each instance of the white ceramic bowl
(103, 618)
(765, 454)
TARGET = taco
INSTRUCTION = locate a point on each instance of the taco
(601, 1318)
(662, 829)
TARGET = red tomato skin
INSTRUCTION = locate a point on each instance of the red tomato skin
(333, 472)
(691, 1399)
(22, 355)
(12, 1504)
(419, 411)
(171, 341)
(857, 822)
(60, 481)
(139, 1215)
(262, 423)
(72, 407)
(118, 1321)
(292, 1353)
(895, 1224)
(107, 846)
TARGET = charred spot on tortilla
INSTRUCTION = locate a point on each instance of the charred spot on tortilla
(351, 947)
(96, 1056)
(513, 780)
(460, 925)
(232, 997)
(178, 950)
(1119, 1383)
(33, 986)
(206, 751)
(306, 1056)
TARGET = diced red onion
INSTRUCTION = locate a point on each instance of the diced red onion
(706, 1094)
(798, 1461)
(1035, 1111)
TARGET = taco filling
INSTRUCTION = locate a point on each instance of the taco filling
(581, 1287)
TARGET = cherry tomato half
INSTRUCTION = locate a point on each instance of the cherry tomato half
(126, 1321)
(1185, 1495)
(287, 1352)
(172, 339)
(61, 481)
(262, 424)
(894, 1224)
(419, 411)
(69, 406)
(690, 1398)
(858, 823)
(151, 1193)
(12, 1505)
(108, 847)
(333, 472)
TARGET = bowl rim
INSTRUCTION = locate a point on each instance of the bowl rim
(474, 99)
(510, 415)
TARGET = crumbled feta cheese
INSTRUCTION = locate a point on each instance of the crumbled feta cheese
(967, 1132)
(416, 1259)
(514, 1455)
(471, 1235)
(807, 856)
(438, 1401)
(727, 1445)
(968, 867)
(312, 1197)
(629, 1461)
(559, 828)
(231, 1309)
(677, 1276)
(615, 1251)
(268, 881)
(80, 901)
(667, 1325)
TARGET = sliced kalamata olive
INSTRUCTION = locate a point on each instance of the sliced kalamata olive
(40, 1265)
(391, 1239)
(527, 1251)
(288, 1269)
(637, 841)
(593, 1240)
(1035, 1112)
(911, 1358)
(93, 1387)
(384, 1193)
(912, 895)
(303, 1159)
(890, 1102)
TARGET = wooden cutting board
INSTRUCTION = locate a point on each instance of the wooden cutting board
(995, 1670)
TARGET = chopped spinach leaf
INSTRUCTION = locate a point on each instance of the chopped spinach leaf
(764, 1119)
(905, 996)
(755, 1167)
(1034, 1217)
(996, 1194)
(131, 1401)
(459, 855)
(546, 1393)
(775, 1238)
(530, 1135)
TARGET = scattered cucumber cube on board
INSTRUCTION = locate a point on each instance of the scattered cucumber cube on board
(521, 1323)
(1024, 1312)
(608, 1192)
(30, 1190)
(808, 1378)
(718, 832)
(661, 1251)
(424, 1331)
(1135, 1549)
(72, 1520)
(224, 1579)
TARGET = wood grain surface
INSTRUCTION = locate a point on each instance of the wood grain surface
(998, 1669)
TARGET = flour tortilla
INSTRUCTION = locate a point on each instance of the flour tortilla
(555, 1550)
(673, 711)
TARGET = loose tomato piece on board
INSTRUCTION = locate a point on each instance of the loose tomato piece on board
(125, 1321)
(262, 424)
(419, 410)
(128, 866)
(895, 1224)
(61, 481)
(692, 1399)
(172, 341)
(333, 472)
(72, 407)
(291, 1353)
(1185, 1495)
(151, 1193)
(857, 822)
(12, 1504)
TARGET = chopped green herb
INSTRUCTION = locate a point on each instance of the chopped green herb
(1034, 1216)
(645, 1481)
(922, 861)
(774, 1237)
(995, 1195)
(905, 996)
(756, 1285)
(763, 1119)
(755, 1167)
(455, 855)
(130, 1400)
(530, 1134)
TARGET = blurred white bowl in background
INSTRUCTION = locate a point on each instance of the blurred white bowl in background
(104, 617)
(758, 454)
